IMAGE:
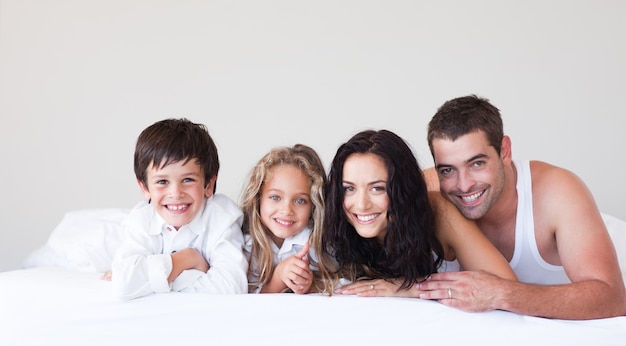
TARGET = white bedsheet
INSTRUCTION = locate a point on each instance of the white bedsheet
(53, 306)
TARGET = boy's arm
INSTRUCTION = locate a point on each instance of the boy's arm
(228, 265)
(188, 258)
(138, 268)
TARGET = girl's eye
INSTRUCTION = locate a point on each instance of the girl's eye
(274, 198)
(301, 201)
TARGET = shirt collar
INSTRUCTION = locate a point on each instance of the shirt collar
(297, 239)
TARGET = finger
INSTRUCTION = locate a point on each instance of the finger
(360, 288)
(303, 252)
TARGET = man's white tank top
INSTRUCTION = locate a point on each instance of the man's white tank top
(526, 262)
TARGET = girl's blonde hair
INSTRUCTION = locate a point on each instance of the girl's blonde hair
(307, 160)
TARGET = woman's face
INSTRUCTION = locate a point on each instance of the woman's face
(365, 200)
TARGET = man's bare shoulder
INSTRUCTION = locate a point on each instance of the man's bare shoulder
(547, 178)
(431, 178)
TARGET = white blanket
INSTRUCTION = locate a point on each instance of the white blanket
(54, 306)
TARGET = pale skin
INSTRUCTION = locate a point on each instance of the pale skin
(177, 192)
(364, 179)
(285, 208)
(293, 273)
(568, 228)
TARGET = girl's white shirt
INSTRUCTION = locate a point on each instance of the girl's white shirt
(290, 247)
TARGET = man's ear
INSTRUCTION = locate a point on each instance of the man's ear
(208, 189)
(144, 189)
(506, 153)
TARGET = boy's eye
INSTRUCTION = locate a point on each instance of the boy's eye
(188, 180)
(161, 182)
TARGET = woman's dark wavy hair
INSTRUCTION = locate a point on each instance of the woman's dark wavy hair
(410, 250)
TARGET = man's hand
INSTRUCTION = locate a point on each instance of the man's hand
(468, 290)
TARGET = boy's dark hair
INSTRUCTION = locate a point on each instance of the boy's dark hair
(463, 115)
(173, 140)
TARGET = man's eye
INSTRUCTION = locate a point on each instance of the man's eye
(444, 171)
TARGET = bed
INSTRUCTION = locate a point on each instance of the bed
(59, 298)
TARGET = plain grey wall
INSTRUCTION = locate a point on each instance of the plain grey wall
(80, 79)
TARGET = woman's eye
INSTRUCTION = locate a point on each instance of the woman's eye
(378, 188)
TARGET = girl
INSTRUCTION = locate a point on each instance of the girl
(386, 231)
(283, 207)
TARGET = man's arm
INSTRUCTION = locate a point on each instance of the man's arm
(568, 221)
(564, 204)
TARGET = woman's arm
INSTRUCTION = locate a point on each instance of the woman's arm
(462, 240)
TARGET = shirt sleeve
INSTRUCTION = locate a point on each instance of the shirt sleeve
(138, 268)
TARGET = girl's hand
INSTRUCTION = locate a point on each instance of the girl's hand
(295, 273)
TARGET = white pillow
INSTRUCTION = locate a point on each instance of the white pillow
(85, 240)
(617, 231)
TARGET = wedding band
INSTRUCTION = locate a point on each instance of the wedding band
(449, 293)
(371, 287)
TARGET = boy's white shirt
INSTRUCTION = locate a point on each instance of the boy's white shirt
(290, 247)
(143, 263)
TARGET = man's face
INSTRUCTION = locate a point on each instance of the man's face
(471, 173)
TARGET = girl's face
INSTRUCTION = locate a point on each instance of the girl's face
(286, 202)
(177, 191)
(365, 200)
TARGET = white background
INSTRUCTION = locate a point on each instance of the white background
(80, 79)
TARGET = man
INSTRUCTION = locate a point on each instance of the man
(548, 228)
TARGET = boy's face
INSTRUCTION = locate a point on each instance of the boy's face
(177, 191)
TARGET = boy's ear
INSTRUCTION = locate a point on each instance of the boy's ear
(208, 190)
(144, 189)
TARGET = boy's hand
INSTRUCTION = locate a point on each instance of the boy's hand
(107, 276)
(295, 272)
(188, 258)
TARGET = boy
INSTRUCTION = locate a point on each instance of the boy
(184, 238)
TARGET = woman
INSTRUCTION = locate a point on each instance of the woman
(385, 232)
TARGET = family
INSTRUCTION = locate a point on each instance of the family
(479, 231)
